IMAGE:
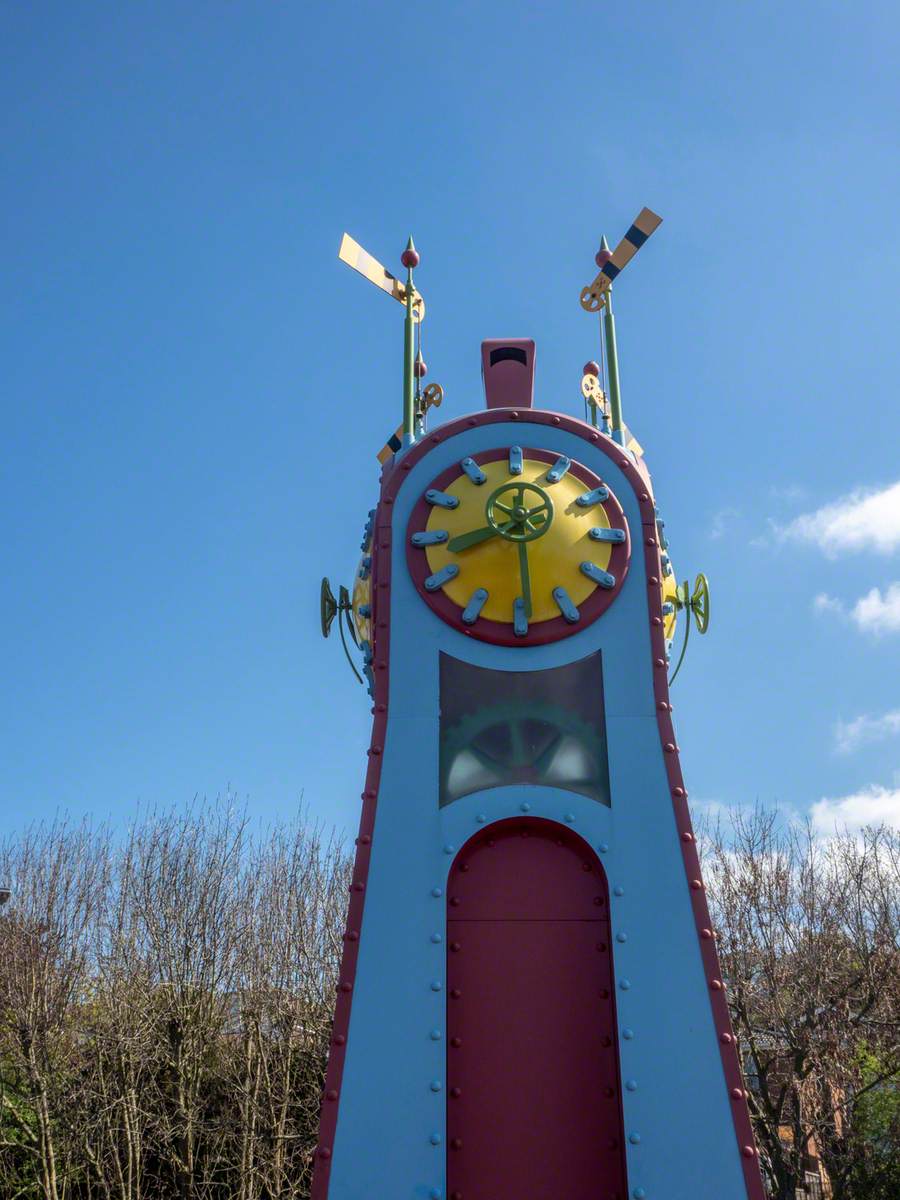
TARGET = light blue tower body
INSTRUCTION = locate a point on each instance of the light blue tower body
(384, 1124)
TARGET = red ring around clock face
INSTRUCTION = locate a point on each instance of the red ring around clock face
(501, 633)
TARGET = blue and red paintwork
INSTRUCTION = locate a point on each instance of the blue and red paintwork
(682, 1112)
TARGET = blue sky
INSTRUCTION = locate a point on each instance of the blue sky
(194, 389)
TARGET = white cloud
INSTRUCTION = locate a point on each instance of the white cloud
(876, 612)
(848, 735)
(824, 603)
(873, 805)
(863, 520)
(721, 521)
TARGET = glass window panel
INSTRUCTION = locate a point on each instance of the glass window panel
(523, 727)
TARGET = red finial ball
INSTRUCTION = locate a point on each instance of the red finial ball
(591, 368)
(420, 368)
(602, 257)
(410, 258)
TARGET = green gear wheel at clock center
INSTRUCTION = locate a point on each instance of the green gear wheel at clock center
(518, 518)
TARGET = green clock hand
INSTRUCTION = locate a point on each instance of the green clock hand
(472, 538)
(526, 578)
(464, 540)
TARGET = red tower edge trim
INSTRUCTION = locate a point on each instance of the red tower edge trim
(391, 481)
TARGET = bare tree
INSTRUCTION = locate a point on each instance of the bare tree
(57, 877)
(809, 930)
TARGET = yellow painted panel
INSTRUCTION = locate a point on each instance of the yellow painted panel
(553, 558)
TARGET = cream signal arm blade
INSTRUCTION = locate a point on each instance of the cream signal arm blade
(352, 253)
(645, 223)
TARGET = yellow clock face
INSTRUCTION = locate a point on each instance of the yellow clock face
(520, 542)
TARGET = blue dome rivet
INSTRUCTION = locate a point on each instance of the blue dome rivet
(639, 1194)
(634, 1138)
(436, 937)
(622, 937)
(631, 1085)
(618, 890)
(570, 817)
(435, 1139)
(435, 1035)
(627, 1034)
(448, 849)
(435, 1194)
(436, 985)
(624, 984)
(525, 806)
(437, 892)
(435, 1085)
(481, 818)
(603, 847)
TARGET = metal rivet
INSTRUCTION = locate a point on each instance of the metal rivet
(634, 1138)
(331, 1094)
(456, 1042)
(435, 1085)
(436, 985)
(627, 1034)
(435, 1035)
(622, 937)
(687, 836)
(324, 1152)
(454, 900)
(365, 840)
(716, 985)
(726, 1039)
(624, 984)
(436, 938)
(706, 934)
(631, 1085)
(456, 1144)
(639, 1194)
(748, 1152)
(454, 946)
(435, 1194)
(653, 581)
(449, 849)
(525, 806)
(437, 892)
(737, 1094)
(696, 885)
(456, 993)
(346, 987)
(584, 866)
(669, 747)
(456, 1093)
(678, 791)
(603, 847)
(435, 1139)
(339, 1039)
(481, 818)
(660, 662)
(618, 890)
(570, 817)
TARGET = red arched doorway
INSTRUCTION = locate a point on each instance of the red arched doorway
(534, 1102)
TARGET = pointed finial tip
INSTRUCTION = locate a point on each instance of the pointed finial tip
(410, 256)
(604, 254)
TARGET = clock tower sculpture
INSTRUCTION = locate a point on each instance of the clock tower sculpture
(530, 1005)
